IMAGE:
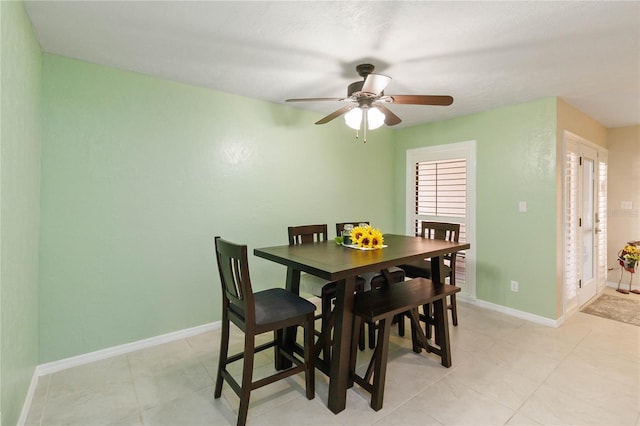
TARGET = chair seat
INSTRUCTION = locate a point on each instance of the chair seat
(278, 304)
(422, 268)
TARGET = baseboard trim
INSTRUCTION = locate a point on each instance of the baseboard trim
(622, 285)
(518, 314)
(63, 364)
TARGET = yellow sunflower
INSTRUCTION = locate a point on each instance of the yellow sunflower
(367, 237)
(377, 239)
(356, 235)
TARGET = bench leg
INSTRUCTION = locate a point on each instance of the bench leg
(454, 310)
(357, 329)
(380, 369)
(442, 331)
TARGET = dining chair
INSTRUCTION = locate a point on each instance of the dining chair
(373, 280)
(257, 313)
(422, 268)
(316, 286)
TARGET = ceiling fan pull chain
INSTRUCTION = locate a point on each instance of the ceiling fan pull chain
(365, 124)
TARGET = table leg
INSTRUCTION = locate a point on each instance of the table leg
(339, 368)
(289, 338)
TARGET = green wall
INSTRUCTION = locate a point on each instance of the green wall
(139, 174)
(516, 161)
(19, 207)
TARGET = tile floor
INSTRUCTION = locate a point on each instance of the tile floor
(505, 371)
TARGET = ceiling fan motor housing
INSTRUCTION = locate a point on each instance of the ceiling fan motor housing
(354, 87)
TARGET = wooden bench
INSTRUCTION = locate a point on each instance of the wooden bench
(382, 305)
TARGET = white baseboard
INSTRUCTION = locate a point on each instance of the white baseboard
(63, 364)
(623, 285)
(516, 313)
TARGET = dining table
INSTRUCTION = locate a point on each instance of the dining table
(334, 262)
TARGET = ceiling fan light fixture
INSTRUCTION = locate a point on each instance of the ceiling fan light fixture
(354, 118)
(375, 118)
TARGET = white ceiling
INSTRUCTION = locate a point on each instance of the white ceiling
(484, 54)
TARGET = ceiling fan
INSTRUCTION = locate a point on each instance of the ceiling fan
(366, 101)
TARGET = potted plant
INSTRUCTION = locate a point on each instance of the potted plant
(628, 257)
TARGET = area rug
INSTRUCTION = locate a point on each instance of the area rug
(623, 309)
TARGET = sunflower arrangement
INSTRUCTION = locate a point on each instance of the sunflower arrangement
(367, 237)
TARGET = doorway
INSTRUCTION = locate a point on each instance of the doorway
(440, 187)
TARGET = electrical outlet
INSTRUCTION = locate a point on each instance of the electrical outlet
(514, 286)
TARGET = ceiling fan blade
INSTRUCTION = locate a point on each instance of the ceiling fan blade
(390, 119)
(336, 114)
(422, 100)
(375, 83)
(313, 99)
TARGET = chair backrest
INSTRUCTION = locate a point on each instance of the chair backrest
(237, 294)
(441, 231)
(306, 234)
(340, 226)
(447, 232)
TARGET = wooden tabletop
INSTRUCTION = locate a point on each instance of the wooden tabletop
(334, 262)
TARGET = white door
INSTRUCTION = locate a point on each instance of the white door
(440, 187)
(587, 225)
(585, 220)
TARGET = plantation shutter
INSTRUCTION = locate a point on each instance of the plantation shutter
(601, 218)
(441, 188)
(571, 217)
(441, 195)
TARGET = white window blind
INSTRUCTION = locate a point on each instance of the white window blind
(441, 188)
(601, 220)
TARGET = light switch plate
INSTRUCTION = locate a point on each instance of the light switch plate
(626, 205)
(522, 206)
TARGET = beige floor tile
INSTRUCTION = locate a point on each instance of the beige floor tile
(453, 403)
(175, 381)
(197, 408)
(502, 385)
(520, 419)
(595, 386)
(97, 393)
(39, 401)
(549, 406)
